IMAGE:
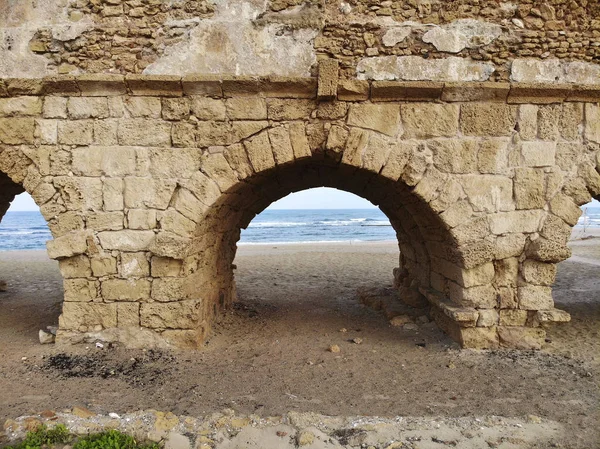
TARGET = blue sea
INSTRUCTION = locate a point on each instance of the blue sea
(28, 230)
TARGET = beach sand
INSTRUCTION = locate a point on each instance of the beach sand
(270, 354)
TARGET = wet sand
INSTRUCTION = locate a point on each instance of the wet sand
(269, 355)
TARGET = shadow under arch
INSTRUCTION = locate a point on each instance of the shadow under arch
(420, 232)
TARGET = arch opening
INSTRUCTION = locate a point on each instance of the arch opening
(419, 231)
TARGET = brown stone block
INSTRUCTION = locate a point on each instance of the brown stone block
(61, 86)
(475, 91)
(328, 79)
(171, 315)
(353, 90)
(405, 91)
(17, 131)
(241, 85)
(584, 93)
(101, 84)
(202, 85)
(154, 85)
(488, 119)
(23, 86)
(538, 93)
(128, 314)
(3, 89)
(289, 87)
(83, 316)
(517, 337)
(126, 289)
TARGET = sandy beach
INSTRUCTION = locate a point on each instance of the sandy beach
(269, 355)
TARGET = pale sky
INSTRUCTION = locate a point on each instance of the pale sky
(318, 198)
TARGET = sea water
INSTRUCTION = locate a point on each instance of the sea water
(28, 230)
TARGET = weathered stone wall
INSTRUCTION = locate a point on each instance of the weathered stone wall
(439, 40)
(146, 182)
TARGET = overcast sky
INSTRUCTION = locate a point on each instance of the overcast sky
(319, 198)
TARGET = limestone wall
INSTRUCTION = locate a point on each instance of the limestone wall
(436, 40)
(146, 181)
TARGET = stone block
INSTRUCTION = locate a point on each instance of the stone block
(299, 140)
(353, 90)
(86, 316)
(489, 193)
(72, 244)
(46, 131)
(519, 221)
(488, 119)
(144, 132)
(517, 337)
(479, 337)
(563, 206)
(283, 109)
(208, 85)
(430, 120)
(215, 166)
(141, 219)
(289, 87)
(105, 132)
(328, 79)
(172, 315)
(507, 297)
(75, 267)
(20, 106)
(513, 317)
(17, 131)
(405, 91)
(238, 160)
(168, 289)
(126, 240)
(487, 318)
(116, 161)
(172, 221)
(208, 109)
(592, 122)
(141, 193)
(175, 108)
(454, 155)
(155, 85)
(259, 152)
(397, 160)
(546, 250)
(134, 265)
(103, 265)
(79, 132)
(183, 135)
(281, 145)
(530, 186)
(246, 108)
(507, 272)
(165, 267)
(538, 94)
(492, 157)
(87, 107)
(101, 84)
(527, 123)
(534, 297)
(55, 107)
(475, 91)
(112, 194)
(538, 273)
(480, 296)
(143, 107)
(105, 221)
(128, 314)
(126, 289)
(80, 290)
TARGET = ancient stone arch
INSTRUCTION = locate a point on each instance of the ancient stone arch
(146, 180)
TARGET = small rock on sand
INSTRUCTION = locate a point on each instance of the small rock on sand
(400, 320)
(3, 286)
(46, 338)
(334, 348)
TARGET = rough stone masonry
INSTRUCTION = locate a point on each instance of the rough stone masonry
(474, 127)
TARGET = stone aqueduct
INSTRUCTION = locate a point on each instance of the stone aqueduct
(146, 181)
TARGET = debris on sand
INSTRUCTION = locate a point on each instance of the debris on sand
(3, 286)
(46, 338)
(334, 348)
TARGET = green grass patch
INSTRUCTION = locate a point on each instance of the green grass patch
(43, 437)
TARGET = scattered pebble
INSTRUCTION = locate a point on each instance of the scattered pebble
(400, 320)
(46, 338)
(334, 348)
(343, 330)
(357, 340)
